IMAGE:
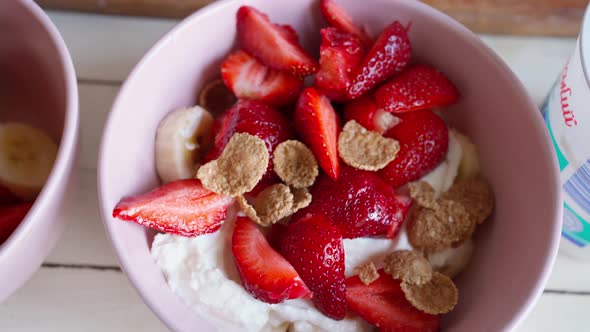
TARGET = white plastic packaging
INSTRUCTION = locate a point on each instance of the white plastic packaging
(567, 116)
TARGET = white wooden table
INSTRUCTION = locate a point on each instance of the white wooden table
(81, 288)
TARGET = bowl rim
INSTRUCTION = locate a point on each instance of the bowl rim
(64, 161)
(454, 26)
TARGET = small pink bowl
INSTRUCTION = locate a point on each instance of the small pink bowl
(514, 251)
(37, 86)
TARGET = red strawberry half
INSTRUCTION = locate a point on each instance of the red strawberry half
(424, 141)
(337, 17)
(383, 304)
(365, 111)
(275, 45)
(247, 78)
(10, 217)
(418, 87)
(340, 55)
(389, 55)
(276, 235)
(182, 207)
(264, 273)
(314, 247)
(359, 203)
(254, 118)
(317, 123)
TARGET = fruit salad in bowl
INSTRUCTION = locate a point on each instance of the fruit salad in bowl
(322, 176)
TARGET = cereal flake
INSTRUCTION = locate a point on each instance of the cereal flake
(436, 230)
(365, 149)
(274, 203)
(248, 209)
(295, 164)
(475, 195)
(239, 168)
(408, 266)
(423, 193)
(367, 273)
(436, 297)
(301, 199)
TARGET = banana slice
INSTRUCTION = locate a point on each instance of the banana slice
(181, 136)
(452, 261)
(469, 166)
(27, 155)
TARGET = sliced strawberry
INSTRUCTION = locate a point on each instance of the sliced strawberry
(424, 141)
(265, 274)
(365, 111)
(7, 197)
(389, 55)
(337, 17)
(317, 123)
(275, 45)
(247, 78)
(340, 55)
(314, 247)
(416, 88)
(359, 203)
(182, 207)
(254, 118)
(383, 304)
(10, 217)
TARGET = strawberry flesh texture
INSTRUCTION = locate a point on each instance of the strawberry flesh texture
(247, 78)
(314, 247)
(254, 118)
(10, 217)
(340, 55)
(424, 141)
(274, 45)
(317, 124)
(337, 18)
(182, 207)
(265, 274)
(418, 87)
(359, 203)
(389, 55)
(383, 304)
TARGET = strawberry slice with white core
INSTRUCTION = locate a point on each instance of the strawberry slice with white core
(182, 207)
(265, 274)
(274, 45)
(248, 78)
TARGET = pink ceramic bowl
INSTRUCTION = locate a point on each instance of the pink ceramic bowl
(37, 86)
(514, 252)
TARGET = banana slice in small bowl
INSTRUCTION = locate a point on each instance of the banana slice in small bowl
(27, 155)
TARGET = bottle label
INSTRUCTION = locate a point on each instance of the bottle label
(567, 116)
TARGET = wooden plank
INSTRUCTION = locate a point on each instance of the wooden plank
(106, 48)
(73, 300)
(523, 17)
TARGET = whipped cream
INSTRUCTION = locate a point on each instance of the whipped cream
(202, 272)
